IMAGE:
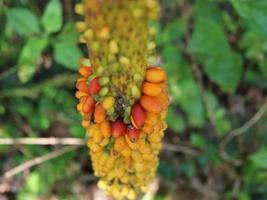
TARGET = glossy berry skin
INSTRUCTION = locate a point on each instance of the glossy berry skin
(137, 115)
(85, 71)
(118, 128)
(133, 134)
(88, 105)
(94, 86)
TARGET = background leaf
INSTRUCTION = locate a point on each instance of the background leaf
(30, 54)
(52, 17)
(22, 20)
(67, 54)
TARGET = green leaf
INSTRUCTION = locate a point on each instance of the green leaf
(175, 121)
(29, 56)
(69, 34)
(67, 54)
(208, 39)
(173, 32)
(259, 158)
(208, 10)
(197, 140)
(52, 17)
(187, 95)
(253, 14)
(210, 46)
(225, 70)
(22, 20)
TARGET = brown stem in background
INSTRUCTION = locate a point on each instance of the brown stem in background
(43, 141)
(239, 131)
(36, 161)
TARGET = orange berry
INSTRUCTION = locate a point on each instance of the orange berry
(85, 71)
(151, 118)
(82, 86)
(99, 114)
(85, 123)
(155, 75)
(151, 104)
(120, 144)
(137, 115)
(163, 99)
(105, 128)
(118, 128)
(88, 105)
(148, 128)
(133, 134)
(151, 89)
(94, 86)
(80, 94)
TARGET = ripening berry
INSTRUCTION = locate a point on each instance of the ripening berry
(120, 144)
(151, 104)
(151, 118)
(99, 114)
(85, 123)
(94, 86)
(131, 144)
(105, 128)
(80, 26)
(118, 128)
(108, 102)
(133, 134)
(89, 104)
(85, 71)
(137, 115)
(82, 86)
(79, 9)
(155, 75)
(151, 89)
(80, 94)
(97, 136)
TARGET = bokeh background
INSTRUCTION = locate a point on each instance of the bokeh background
(215, 55)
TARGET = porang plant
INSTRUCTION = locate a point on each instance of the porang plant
(122, 96)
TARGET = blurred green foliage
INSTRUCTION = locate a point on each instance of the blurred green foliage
(215, 55)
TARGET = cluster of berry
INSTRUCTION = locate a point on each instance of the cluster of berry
(122, 98)
(124, 155)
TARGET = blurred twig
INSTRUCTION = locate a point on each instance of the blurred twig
(181, 149)
(240, 131)
(42, 141)
(36, 161)
(8, 72)
(80, 142)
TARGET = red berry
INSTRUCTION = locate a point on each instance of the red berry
(82, 86)
(133, 134)
(118, 128)
(137, 115)
(88, 105)
(94, 86)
